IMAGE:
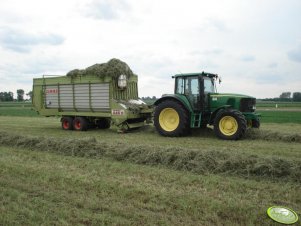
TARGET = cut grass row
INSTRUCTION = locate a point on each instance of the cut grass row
(271, 140)
(202, 161)
(40, 188)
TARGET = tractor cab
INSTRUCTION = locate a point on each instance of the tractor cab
(196, 87)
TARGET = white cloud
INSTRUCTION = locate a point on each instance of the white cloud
(106, 9)
(20, 41)
(252, 44)
(247, 58)
(295, 54)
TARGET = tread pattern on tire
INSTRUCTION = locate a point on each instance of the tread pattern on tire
(241, 121)
(68, 119)
(83, 123)
(183, 128)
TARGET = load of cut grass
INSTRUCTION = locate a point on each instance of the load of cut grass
(193, 160)
(112, 68)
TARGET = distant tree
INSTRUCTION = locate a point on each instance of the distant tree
(10, 96)
(297, 96)
(285, 95)
(149, 100)
(29, 94)
(20, 94)
(6, 96)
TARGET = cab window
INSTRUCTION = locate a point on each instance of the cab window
(208, 85)
(180, 86)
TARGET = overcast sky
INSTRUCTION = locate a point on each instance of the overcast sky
(255, 45)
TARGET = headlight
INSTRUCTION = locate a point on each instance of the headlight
(122, 81)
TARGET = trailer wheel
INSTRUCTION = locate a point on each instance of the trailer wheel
(230, 124)
(67, 123)
(103, 123)
(80, 124)
(171, 119)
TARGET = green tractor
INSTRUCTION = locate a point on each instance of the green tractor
(196, 104)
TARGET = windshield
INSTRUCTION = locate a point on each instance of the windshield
(208, 85)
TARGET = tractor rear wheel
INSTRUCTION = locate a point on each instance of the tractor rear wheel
(171, 119)
(67, 123)
(80, 123)
(230, 124)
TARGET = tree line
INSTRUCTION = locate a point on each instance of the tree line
(9, 96)
(286, 96)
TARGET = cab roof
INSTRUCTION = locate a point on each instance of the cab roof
(196, 74)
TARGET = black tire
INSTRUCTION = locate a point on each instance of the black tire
(230, 124)
(80, 123)
(92, 125)
(171, 119)
(256, 123)
(103, 123)
(67, 123)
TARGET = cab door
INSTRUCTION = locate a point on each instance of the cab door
(190, 88)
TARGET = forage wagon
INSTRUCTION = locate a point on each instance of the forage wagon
(99, 96)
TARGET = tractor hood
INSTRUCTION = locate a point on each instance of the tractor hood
(242, 102)
(230, 95)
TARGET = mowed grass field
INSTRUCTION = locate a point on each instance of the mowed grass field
(53, 177)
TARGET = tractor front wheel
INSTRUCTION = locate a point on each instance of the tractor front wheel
(171, 119)
(230, 124)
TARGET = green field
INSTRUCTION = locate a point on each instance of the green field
(17, 109)
(287, 112)
(280, 105)
(53, 177)
(269, 116)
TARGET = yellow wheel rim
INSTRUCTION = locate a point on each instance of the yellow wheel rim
(228, 125)
(169, 119)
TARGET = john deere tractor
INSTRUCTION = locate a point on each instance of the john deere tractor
(196, 104)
